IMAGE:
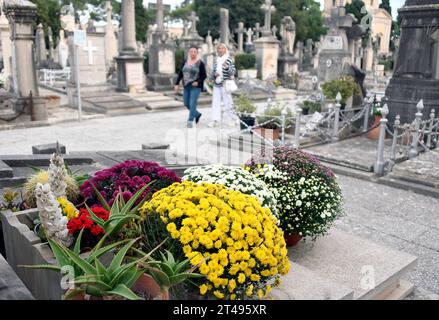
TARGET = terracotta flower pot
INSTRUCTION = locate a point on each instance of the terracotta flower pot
(375, 133)
(292, 239)
(149, 288)
(270, 134)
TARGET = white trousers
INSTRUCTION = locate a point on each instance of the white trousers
(221, 97)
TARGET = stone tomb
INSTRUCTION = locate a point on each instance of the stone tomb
(92, 67)
(342, 266)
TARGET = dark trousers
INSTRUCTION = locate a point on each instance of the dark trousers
(191, 95)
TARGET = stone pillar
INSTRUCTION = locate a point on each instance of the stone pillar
(41, 46)
(267, 47)
(224, 27)
(21, 16)
(129, 45)
(240, 32)
(5, 35)
(129, 61)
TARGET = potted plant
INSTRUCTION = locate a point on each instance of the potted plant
(375, 111)
(204, 222)
(245, 109)
(270, 124)
(308, 197)
(346, 86)
(246, 65)
(310, 107)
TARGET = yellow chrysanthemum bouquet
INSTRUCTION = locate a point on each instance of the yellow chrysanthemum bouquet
(233, 240)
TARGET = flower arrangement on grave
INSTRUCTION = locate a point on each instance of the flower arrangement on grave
(234, 240)
(42, 177)
(92, 231)
(128, 177)
(271, 118)
(346, 86)
(51, 216)
(234, 178)
(308, 197)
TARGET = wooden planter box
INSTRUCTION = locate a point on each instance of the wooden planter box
(24, 247)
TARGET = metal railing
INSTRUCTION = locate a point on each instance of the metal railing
(408, 139)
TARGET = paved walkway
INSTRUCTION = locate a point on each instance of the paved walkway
(398, 219)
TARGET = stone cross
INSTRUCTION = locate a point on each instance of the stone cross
(209, 42)
(109, 9)
(160, 16)
(90, 49)
(257, 30)
(249, 36)
(193, 19)
(240, 32)
(274, 30)
(268, 10)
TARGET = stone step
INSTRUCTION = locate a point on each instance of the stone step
(371, 271)
(94, 94)
(163, 105)
(121, 105)
(152, 98)
(15, 182)
(5, 170)
(101, 99)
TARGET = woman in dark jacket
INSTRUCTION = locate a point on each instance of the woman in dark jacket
(193, 74)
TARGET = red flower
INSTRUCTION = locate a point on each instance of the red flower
(83, 221)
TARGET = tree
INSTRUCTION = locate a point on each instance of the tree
(355, 8)
(306, 14)
(385, 4)
(48, 14)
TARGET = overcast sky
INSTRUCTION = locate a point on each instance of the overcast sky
(396, 4)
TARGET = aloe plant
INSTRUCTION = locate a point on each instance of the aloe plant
(121, 212)
(92, 277)
(170, 272)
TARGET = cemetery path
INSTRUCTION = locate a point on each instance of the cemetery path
(399, 219)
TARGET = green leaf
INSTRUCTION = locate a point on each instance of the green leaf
(182, 277)
(115, 227)
(122, 274)
(100, 268)
(182, 265)
(60, 253)
(170, 259)
(124, 292)
(133, 200)
(118, 259)
(160, 277)
(41, 266)
(81, 263)
(129, 282)
(96, 253)
(77, 248)
(101, 198)
(94, 282)
(100, 222)
(166, 268)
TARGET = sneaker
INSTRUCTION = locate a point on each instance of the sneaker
(213, 124)
(198, 119)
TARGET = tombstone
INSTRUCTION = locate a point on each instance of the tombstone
(161, 74)
(249, 45)
(68, 18)
(111, 50)
(193, 38)
(21, 16)
(257, 29)
(41, 46)
(288, 63)
(416, 74)
(185, 28)
(308, 56)
(51, 45)
(368, 57)
(267, 47)
(92, 66)
(209, 55)
(240, 32)
(149, 34)
(62, 50)
(129, 62)
(274, 30)
(5, 38)
(335, 57)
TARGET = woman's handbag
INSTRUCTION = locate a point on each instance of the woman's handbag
(230, 86)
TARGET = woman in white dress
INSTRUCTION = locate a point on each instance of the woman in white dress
(223, 69)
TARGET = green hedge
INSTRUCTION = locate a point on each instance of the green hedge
(179, 60)
(245, 61)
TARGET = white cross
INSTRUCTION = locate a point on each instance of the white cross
(90, 51)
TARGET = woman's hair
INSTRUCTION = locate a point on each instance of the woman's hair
(193, 47)
(221, 45)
